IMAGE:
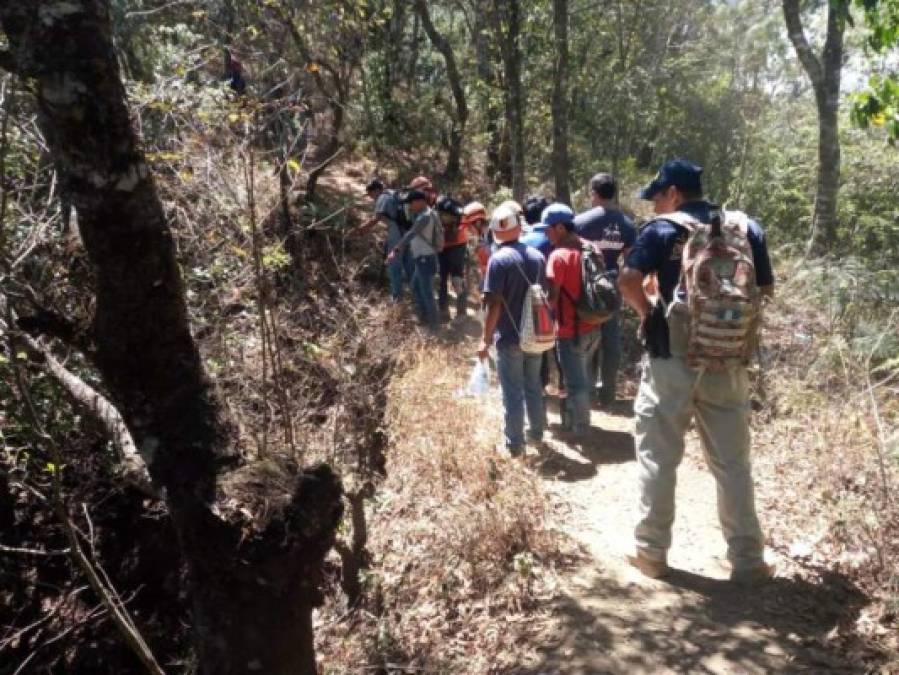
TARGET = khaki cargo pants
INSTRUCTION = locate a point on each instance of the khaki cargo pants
(670, 395)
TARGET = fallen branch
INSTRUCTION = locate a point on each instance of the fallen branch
(133, 464)
(15, 550)
(108, 595)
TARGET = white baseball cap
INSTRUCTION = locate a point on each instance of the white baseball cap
(504, 219)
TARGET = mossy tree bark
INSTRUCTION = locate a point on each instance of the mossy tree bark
(253, 583)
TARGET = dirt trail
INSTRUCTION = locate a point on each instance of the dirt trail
(614, 620)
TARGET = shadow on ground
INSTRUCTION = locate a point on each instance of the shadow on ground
(695, 624)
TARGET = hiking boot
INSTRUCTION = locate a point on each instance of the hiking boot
(753, 576)
(650, 567)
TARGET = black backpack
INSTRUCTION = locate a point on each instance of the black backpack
(451, 224)
(401, 219)
(600, 297)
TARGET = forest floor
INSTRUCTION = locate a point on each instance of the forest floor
(615, 620)
(606, 617)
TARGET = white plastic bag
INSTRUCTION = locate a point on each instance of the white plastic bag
(479, 380)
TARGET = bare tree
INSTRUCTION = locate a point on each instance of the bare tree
(254, 580)
(824, 71)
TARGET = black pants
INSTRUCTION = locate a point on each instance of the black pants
(453, 261)
(551, 355)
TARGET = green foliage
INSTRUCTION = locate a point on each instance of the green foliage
(879, 105)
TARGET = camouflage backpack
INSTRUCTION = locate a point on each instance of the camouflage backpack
(723, 302)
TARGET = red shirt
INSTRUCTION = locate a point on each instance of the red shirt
(564, 271)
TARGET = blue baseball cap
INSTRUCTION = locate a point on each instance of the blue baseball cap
(557, 213)
(681, 173)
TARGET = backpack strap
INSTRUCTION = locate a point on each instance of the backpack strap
(685, 220)
(690, 224)
(520, 267)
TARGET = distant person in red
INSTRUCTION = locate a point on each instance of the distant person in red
(576, 340)
(234, 73)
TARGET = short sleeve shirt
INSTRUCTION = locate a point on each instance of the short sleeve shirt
(660, 246)
(422, 234)
(564, 271)
(537, 238)
(511, 269)
(610, 229)
(386, 206)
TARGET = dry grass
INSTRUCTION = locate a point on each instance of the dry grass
(831, 504)
(466, 556)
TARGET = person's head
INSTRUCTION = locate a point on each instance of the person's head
(559, 221)
(416, 200)
(474, 215)
(516, 209)
(505, 224)
(533, 208)
(678, 181)
(424, 184)
(374, 188)
(449, 210)
(603, 189)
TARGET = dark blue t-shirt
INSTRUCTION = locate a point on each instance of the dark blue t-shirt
(660, 246)
(537, 238)
(610, 229)
(511, 269)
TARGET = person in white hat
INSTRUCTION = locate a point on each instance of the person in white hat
(511, 269)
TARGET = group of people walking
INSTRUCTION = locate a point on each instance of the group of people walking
(695, 276)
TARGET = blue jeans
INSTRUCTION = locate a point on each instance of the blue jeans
(606, 359)
(574, 353)
(423, 289)
(519, 379)
(399, 272)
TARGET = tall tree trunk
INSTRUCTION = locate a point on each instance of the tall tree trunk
(560, 161)
(457, 133)
(253, 584)
(492, 113)
(506, 19)
(824, 72)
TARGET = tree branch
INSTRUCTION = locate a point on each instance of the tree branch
(134, 468)
(804, 51)
(7, 62)
(442, 45)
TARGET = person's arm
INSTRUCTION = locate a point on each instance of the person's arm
(417, 226)
(630, 283)
(367, 226)
(494, 310)
(628, 238)
(764, 273)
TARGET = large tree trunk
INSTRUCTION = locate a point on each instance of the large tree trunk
(824, 72)
(253, 584)
(457, 133)
(492, 113)
(560, 161)
(506, 18)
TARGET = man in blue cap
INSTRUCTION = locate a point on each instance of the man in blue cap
(576, 339)
(536, 236)
(671, 392)
(614, 233)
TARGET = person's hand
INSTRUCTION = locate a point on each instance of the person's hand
(391, 256)
(484, 351)
(641, 330)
